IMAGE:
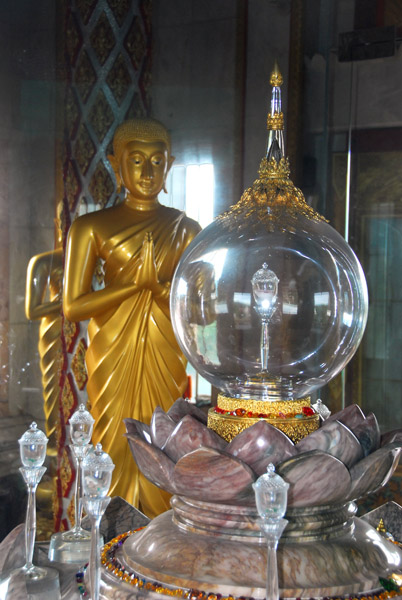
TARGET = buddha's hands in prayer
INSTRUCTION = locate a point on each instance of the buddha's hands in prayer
(147, 275)
(56, 280)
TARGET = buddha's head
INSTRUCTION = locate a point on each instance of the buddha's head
(142, 158)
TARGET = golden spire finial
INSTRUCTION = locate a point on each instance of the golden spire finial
(276, 79)
(272, 201)
(275, 116)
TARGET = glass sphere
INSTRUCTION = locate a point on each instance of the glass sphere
(269, 313)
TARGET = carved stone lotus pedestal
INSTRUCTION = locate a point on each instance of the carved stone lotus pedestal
(210, 540)
(324, 552)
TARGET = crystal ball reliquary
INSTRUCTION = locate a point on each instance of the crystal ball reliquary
(269, 302)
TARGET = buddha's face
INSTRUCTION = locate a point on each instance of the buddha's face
(143, 168)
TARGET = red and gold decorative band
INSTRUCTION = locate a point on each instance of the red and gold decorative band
(228, 426)
(287, 408)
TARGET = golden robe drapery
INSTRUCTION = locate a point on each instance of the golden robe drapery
(134, 362)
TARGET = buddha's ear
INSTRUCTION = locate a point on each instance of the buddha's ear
(171, 160)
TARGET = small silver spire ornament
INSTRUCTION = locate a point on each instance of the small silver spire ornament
(322, 409)
(265, 292)
(271, 497)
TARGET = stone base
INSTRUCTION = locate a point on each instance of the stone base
(180, 554)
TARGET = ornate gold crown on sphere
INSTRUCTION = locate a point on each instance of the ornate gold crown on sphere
(273, 198)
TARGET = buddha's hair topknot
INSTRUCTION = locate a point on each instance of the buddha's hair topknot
(139, 129)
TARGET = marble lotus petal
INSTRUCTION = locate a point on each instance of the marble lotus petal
(151, 461)
(368, 433)
(213, 476)
(260, 445)
(391, 436)
(315, 478)
(374, 471)
(351, 416)
(336, 439)
(161, 427)
(181, 408)
(188, 435)
(139, 428)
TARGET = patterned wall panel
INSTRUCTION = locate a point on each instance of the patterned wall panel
(104, 50)
(108, 64)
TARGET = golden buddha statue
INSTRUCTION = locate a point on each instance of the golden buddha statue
(133, 359)
(43, 301)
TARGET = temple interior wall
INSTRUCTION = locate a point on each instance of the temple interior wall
(27, 196)
(211, 67)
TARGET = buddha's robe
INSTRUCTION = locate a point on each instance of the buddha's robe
(133, 359)
(45, 276)
(51, 361)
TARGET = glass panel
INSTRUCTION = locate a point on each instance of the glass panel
(381, 376)
(353, 152)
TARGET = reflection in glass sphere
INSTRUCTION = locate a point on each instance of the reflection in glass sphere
(316, 324)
